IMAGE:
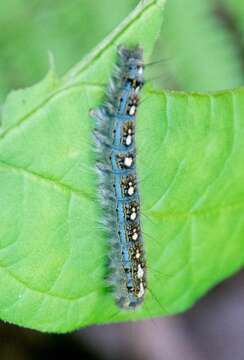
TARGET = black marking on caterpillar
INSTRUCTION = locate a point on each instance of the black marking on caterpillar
(118, 189)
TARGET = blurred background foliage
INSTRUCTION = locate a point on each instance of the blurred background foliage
(201, 41)
(202, 49)
(68, 29)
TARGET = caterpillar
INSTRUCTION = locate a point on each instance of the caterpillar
(114, 136)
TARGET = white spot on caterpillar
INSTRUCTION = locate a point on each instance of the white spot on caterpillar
(128, 140)
(140, 70)
(137, 90)
(133, 214)
(141, 292)
(132, 110)
(140, 272)
(138, 254)
(135, 235)
(131, 189)
(128, 161)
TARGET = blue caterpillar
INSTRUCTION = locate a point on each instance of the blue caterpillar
(118, 188)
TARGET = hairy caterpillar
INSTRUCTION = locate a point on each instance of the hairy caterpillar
(118, 186)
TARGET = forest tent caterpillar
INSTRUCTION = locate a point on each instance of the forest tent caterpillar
(118, 186)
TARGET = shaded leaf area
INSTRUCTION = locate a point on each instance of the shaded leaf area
(236, 9)
(200, 50)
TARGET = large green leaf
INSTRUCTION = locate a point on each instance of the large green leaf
(190, 154)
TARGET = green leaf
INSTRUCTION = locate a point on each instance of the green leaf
(190, 164)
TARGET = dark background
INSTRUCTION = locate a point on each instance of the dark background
(212, 329)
